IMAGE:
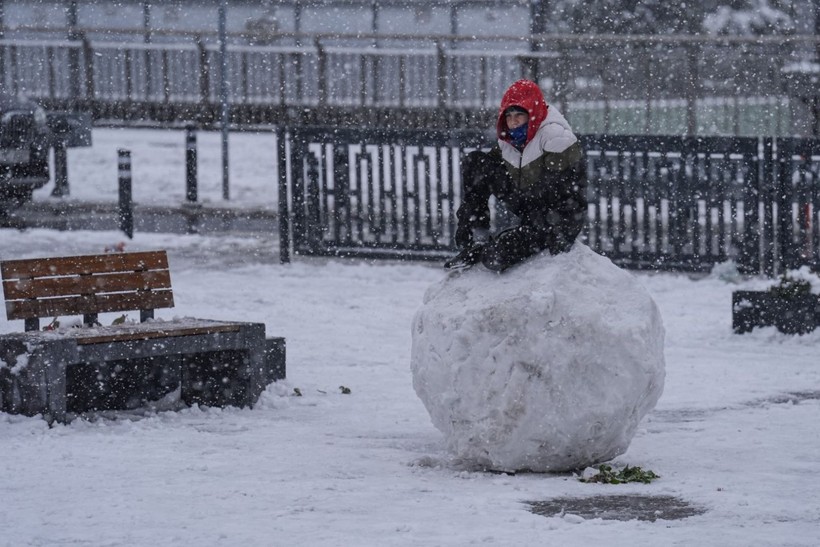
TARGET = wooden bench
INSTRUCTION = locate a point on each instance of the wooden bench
(62, 371)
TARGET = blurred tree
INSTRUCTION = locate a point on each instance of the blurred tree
(723, 17)
(623, 16)
(753, 18)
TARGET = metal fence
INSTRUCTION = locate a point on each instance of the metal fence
(612, 85)
(383, 193)
(667, 203)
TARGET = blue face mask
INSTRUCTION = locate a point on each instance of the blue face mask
(518, 136)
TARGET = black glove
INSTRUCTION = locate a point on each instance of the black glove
(464, 236)
(468, 256)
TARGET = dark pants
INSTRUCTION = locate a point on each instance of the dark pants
(515, 245)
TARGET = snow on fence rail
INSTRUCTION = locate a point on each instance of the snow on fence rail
(605, 85)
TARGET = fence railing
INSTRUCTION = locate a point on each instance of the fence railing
(667, 203)
(610, 85)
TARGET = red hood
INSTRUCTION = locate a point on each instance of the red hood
(528, 96)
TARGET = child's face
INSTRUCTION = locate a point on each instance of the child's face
(516, 119)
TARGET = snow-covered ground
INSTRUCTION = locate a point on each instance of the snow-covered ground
(158, 167)
(735, 433)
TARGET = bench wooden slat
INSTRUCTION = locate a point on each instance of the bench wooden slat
(87, 285)
(53, 307)
(148, 335)
(77, 265)
(48, 287)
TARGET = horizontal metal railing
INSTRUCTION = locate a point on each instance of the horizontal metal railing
(606, 84)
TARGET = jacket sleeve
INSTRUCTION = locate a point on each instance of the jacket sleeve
(477, 171)
(566, 211)
(573, 208)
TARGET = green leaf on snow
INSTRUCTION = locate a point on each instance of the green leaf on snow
(607, 475)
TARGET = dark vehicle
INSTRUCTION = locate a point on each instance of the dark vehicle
(25, 139)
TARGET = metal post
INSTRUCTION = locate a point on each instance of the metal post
(297, 23)
(817, 30)
(539, 15)
(441, 73)
(88, 54)
(321, 69)
(146, 37)
(768, 195)
(691, 88)
(146, 21)
(60, 168)
(71, 19)
(284, 212)
(126, 204)
(223, 95)
(786, 255)
(190, 164)
(647, 53)
(204, 72)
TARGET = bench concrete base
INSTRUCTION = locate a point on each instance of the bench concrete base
(60, 375)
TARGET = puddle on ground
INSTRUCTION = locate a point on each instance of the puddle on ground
(628, 507)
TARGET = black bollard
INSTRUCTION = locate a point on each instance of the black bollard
(60, 169)
(126, 205)
(191, 193)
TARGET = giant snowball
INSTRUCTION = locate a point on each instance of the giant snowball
(547, 367)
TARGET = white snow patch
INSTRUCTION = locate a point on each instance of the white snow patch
(803, 273)
(20, 363)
